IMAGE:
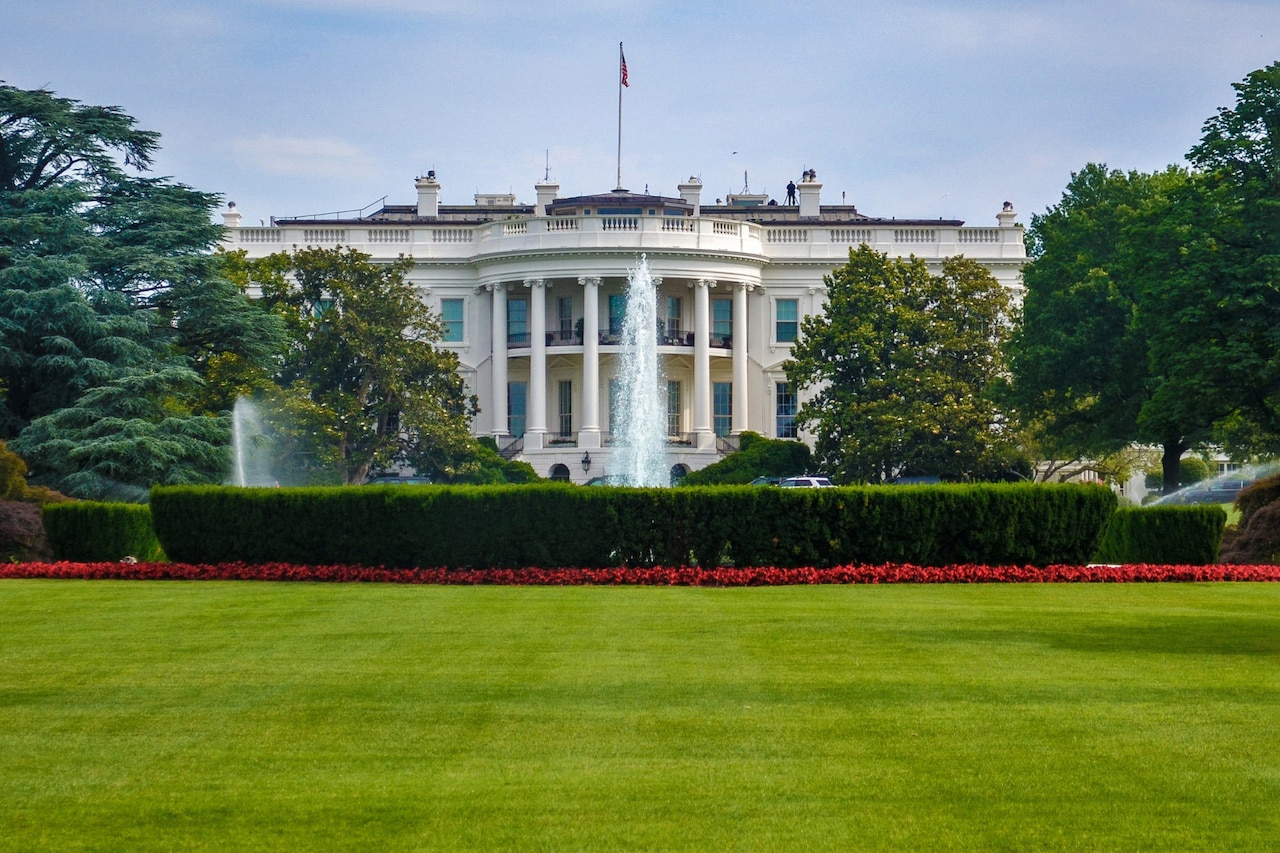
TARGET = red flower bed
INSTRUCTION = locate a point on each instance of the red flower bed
(656, 576)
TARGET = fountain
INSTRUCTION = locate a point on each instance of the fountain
(640, 453)
(251, 464)
(1222, 488)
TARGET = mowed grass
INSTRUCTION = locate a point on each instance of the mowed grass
(149, 716)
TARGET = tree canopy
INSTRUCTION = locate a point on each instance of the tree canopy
(902, 365)
(107, 282)
(1152, 310)
(362, 353)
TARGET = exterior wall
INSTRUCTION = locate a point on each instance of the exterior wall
(533, 258)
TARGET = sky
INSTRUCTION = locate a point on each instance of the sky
(914, 109)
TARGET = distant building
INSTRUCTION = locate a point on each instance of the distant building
(531, 297)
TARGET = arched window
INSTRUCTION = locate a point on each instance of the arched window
(678, 473)
(560, 472)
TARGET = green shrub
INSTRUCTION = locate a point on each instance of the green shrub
(1255, 496)
(756, 457)
(1178, 535)
(556, 525)
(86, 531)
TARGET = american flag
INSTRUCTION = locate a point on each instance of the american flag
(623, 57)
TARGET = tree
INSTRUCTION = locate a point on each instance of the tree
(361, 348)
(106, 281)
(1081, 357)
(902, 364)
(1152, 304)
(1239, 255)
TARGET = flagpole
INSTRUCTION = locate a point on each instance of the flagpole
(622, 64)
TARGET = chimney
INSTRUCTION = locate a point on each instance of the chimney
(428, 195)
(547, 192)
(1006, 216)
(691, 193)
(809, 190)
(231, 218)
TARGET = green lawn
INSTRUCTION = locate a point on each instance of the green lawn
(287, 716)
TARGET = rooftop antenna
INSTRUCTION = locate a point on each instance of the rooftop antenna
(746, 185)
(546, 176)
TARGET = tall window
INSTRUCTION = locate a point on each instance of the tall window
(451, 314)
(786, 410)
(674, 323)
(721, 318)
(617, 311)
(564, 313)
(673, 407)
(722, 407)
(566, 408)
(788, 320)
(517, 407)
(518, 322)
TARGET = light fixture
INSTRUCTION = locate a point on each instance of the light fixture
(586, 461)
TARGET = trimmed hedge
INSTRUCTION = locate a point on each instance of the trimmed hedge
(1188, 535)
(89, 531)
(557, 524)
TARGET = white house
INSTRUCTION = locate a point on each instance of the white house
(532, 297)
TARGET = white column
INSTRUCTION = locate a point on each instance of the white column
(589, 434)
(702, 361)
(498, 403)
(537, 363)
(740, 409)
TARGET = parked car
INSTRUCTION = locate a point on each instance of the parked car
(806, 482)
(393, 480)
(765, 481)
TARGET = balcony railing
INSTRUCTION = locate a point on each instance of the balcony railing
(460, 241)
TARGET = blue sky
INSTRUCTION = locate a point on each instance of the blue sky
(912, 109)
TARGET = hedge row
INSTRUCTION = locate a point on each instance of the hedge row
(563, 525)
(84, 530)
(1163, 534)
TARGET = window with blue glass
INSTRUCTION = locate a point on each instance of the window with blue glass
(721, 319)
(451, 314)
(617, 313)
(788, 321)
(517, 407)
(722, 407)
(518, 322)
(786, 407)
(674, 318)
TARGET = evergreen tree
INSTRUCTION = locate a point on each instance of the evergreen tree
(106, 283)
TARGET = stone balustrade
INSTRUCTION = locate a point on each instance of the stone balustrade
(640, 233)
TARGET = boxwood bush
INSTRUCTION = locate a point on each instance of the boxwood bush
(87, 531)
(560, 525)
(1177, 535)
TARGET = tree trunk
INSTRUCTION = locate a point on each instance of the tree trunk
(1170, 466)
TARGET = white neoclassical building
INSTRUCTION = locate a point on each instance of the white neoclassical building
(532, 297)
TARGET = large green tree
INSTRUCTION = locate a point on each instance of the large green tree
(1082, 369)
(902, 364)
(107, 282)
(1152, 309)
(362, 351)
(1235, 265)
